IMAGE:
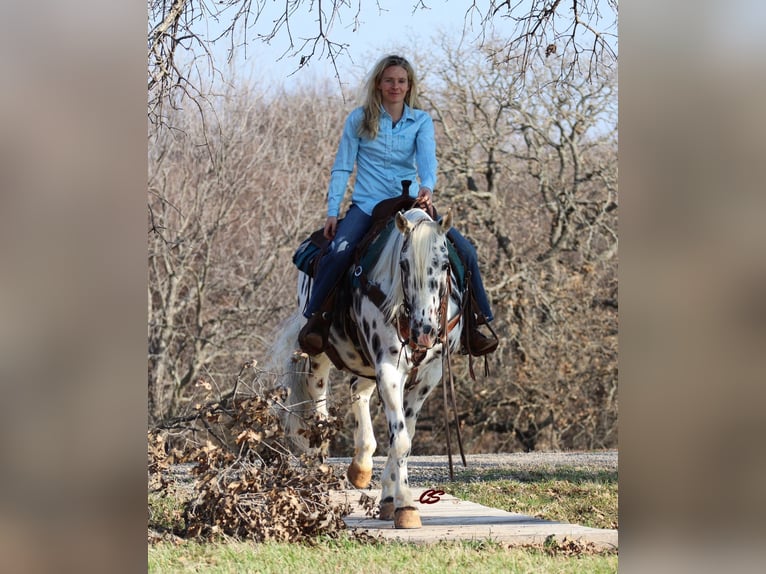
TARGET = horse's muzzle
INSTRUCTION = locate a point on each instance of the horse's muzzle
(425, 341)
(423, 337)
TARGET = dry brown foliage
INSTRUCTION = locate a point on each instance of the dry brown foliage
(252, 487)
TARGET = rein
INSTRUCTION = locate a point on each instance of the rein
(446, 356)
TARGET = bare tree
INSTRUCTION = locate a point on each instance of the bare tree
(176, 41)
(543, 28)
(531, 168)
(228, 203)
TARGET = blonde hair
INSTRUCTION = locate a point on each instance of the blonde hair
(372, 100)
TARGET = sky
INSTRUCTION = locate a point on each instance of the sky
(383, 27)
(378, 32)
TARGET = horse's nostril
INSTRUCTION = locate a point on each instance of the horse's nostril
(427, 329)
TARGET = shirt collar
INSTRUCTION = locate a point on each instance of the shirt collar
(406, 114)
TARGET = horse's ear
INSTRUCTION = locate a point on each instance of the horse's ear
(446, 222)
(403, 224)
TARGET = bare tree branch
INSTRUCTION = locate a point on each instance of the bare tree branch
(176, 39)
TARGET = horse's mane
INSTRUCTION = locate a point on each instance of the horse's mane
(387, 272)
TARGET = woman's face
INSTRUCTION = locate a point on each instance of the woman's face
(393, 85)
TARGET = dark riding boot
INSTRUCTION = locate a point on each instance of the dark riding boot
(313, 336)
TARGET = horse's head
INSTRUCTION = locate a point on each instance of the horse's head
(424, 264)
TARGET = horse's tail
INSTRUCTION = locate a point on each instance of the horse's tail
(291, 375)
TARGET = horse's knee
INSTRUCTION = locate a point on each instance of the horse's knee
(400, 442)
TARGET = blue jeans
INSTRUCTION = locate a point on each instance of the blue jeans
(340, 255)
(468, 254)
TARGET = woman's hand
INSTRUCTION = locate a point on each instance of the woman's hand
(330, 226)
(424, 198)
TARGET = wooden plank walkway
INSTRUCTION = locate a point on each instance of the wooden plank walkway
(453, 519)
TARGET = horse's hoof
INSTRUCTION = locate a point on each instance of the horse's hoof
(386, 509)
(407, 517)
(358, 476)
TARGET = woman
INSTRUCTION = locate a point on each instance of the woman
(389, 140)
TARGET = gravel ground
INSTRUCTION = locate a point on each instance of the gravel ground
(428, 469)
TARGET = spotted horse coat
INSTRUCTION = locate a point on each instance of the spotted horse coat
(393, 342)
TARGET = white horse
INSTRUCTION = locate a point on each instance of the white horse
(402, 310)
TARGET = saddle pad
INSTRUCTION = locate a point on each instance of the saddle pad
(368, 259)
(304, 256)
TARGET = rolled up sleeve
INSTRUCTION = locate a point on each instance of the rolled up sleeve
(343, 165)
(425, 153)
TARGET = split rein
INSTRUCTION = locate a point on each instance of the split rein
(418, 354)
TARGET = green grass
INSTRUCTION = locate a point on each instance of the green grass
(563, 495)
(347, 555)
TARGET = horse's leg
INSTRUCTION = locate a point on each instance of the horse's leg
(415, 395)
(360, 469)
(317, 386)
(390, 385)
(318, 382)
(307, 382)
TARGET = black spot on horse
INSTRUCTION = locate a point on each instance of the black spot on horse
(376, 344)
(366, 328)
(408, 413)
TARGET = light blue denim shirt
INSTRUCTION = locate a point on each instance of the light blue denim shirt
(404, 151)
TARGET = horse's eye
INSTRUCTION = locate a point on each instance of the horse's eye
(445, 265)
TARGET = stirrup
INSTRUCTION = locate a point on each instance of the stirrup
(479, 344)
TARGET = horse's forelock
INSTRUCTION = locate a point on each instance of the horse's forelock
(424, 241)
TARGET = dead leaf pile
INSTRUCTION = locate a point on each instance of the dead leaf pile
(246, 483)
